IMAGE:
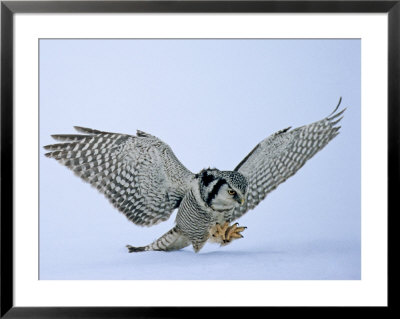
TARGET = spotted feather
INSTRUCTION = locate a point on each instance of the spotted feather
(140, 175)
(281, 155)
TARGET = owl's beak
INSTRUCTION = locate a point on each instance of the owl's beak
(239, 199)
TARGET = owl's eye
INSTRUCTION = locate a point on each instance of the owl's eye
(231, 192)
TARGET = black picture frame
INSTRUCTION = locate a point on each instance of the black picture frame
(9, 8)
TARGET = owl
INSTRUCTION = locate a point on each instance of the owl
(140, 175)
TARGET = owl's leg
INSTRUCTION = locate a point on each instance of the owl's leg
(225, 234)
(172, 240)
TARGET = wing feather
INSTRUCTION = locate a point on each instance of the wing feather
(140, 175)
(281, 155)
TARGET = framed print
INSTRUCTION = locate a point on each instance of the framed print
(256, 139)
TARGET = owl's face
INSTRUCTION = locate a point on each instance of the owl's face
(222, 190)
(227, 197)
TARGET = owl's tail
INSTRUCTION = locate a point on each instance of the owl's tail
(171, 240)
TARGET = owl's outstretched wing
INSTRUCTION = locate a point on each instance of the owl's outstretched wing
(281, 155)
(140, 175)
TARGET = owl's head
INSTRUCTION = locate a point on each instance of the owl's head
(222, 190)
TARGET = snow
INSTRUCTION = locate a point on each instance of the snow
(326, 260)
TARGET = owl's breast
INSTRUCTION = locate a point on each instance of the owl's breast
(193, 218)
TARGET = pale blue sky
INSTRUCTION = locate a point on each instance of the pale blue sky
(212, 101)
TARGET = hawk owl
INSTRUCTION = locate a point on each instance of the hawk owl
(143, 179)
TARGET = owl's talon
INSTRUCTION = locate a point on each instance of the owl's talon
(225, 234)
(234, 232)
(221, 231)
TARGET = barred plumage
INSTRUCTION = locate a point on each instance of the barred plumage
(281, 155)
(138, 174)
(142, 178)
